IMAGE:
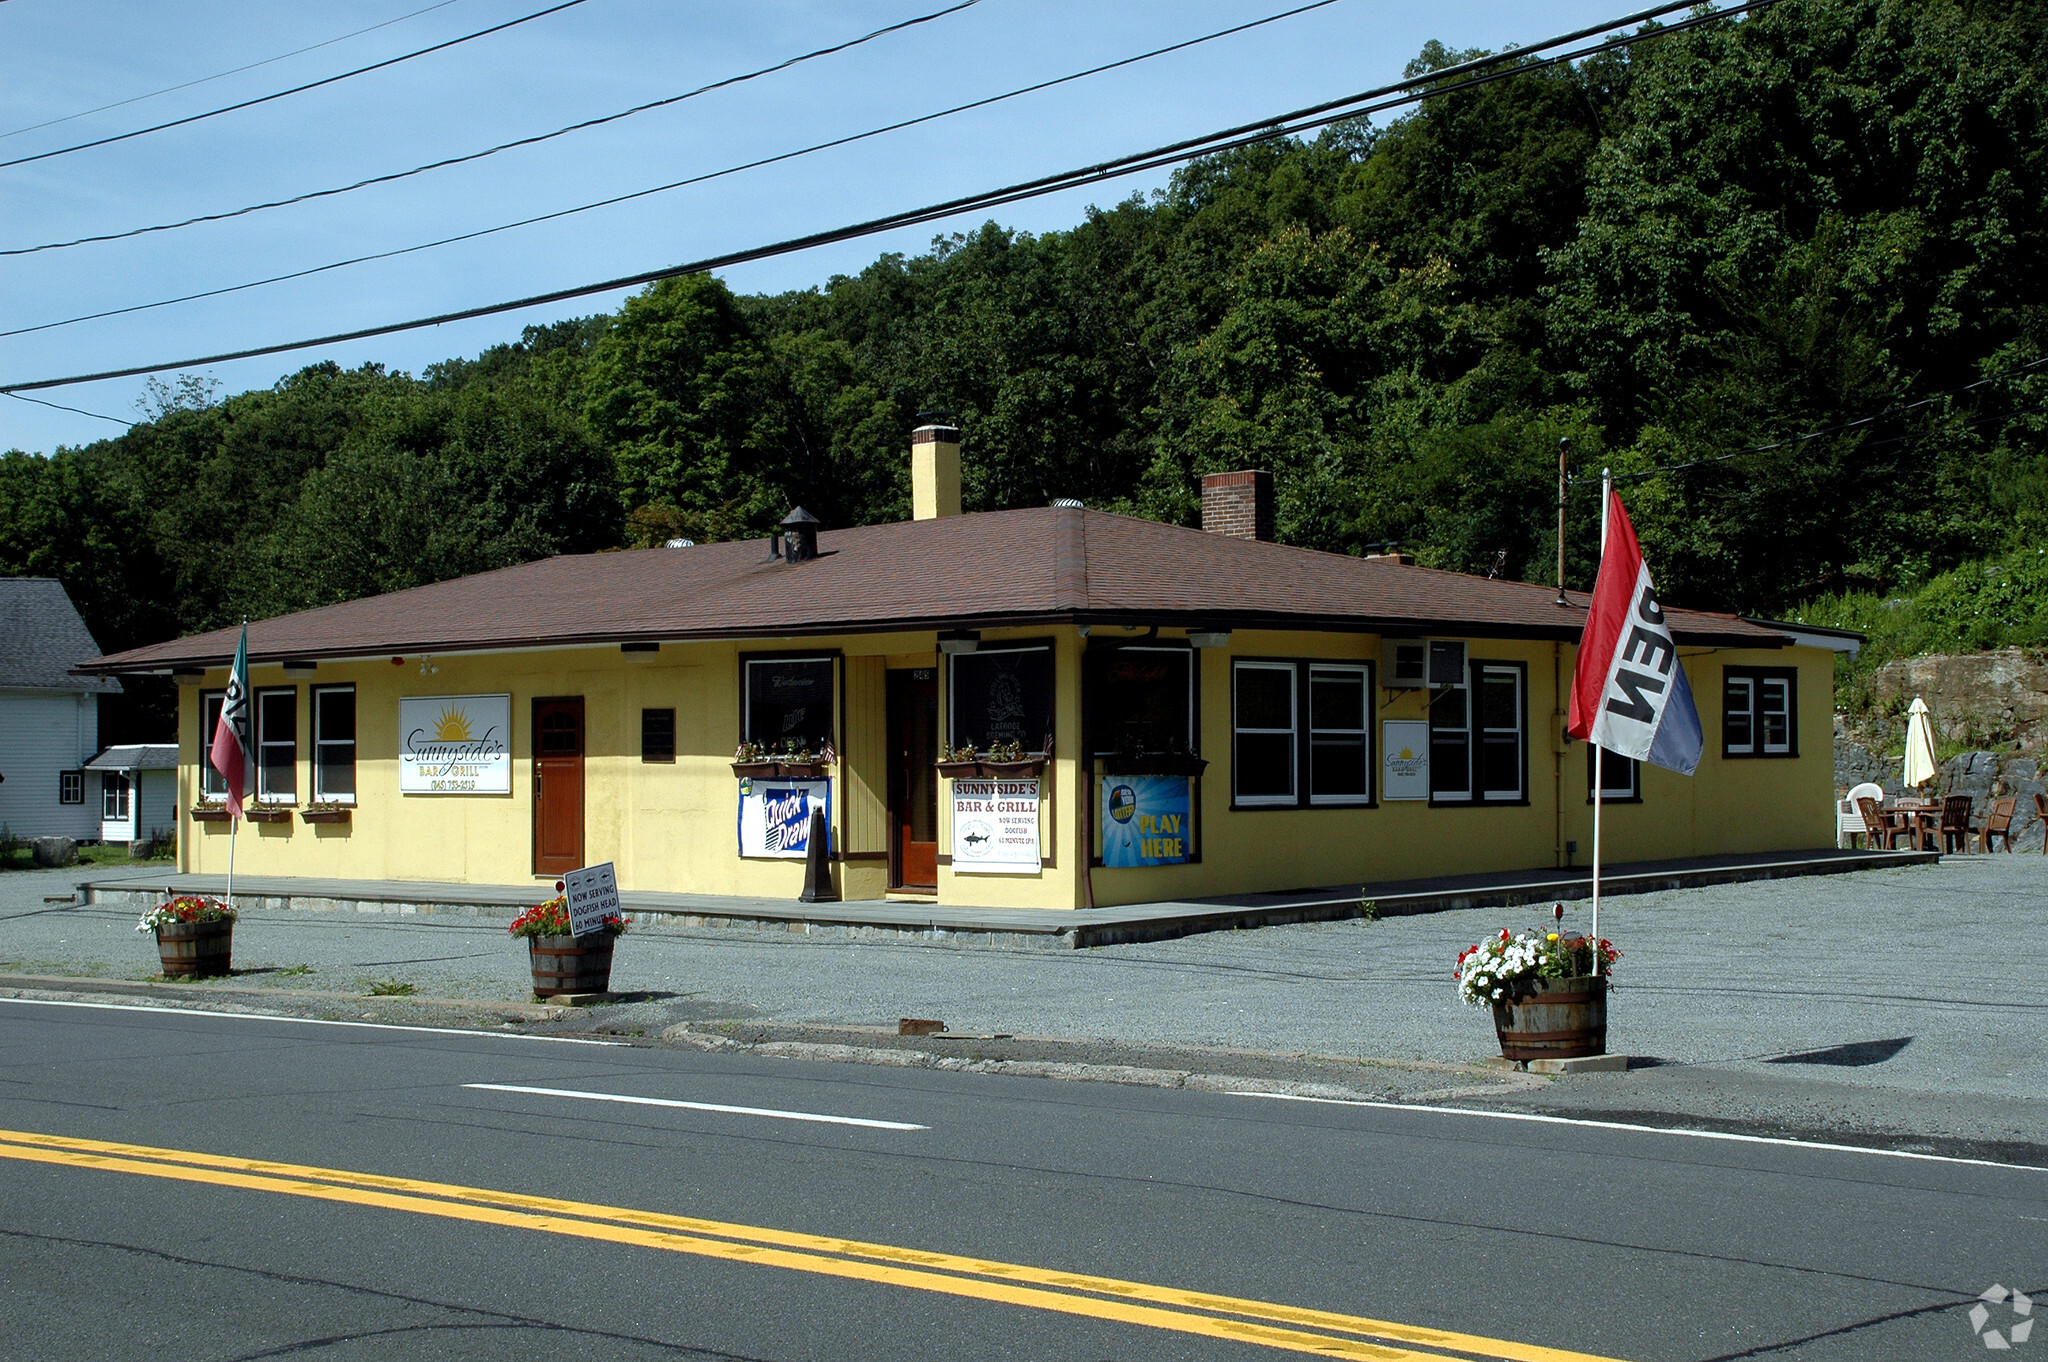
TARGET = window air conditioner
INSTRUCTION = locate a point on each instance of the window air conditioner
(1404, 664)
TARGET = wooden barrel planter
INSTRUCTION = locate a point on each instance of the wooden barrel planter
(1553, 1019)
(571, 964)
(195, 950)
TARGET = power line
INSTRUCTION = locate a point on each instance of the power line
(296, 89)
(508, 146)
(61, 407)
(657, 189)
(1284, 125)
(231, 71)
(1837, 428)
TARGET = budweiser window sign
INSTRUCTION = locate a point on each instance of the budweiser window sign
(455, 744)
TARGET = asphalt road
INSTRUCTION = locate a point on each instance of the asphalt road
(408, 1223)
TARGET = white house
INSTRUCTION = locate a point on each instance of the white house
(49, 719)
(137, 789)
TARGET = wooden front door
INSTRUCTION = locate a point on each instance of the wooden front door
(557, 785)
(914, 779)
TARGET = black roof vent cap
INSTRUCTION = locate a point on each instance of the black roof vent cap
(800, 533)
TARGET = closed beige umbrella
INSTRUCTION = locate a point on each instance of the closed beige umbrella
(1919, 745)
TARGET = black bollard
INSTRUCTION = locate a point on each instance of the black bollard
(818, 865)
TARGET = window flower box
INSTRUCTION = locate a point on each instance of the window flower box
(273, 814)
(1027, 767)
(337, 814)
(210, 813)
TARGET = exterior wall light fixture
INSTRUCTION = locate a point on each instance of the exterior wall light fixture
(953, 641)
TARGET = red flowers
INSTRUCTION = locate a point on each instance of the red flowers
(552, 919)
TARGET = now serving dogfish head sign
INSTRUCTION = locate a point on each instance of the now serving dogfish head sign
(455, 744)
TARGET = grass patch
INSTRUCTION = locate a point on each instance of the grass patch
(391, 988)
(295, 969)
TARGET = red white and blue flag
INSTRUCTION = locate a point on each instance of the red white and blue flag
(1629, 693)
(231, 747)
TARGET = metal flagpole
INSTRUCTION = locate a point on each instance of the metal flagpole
(236, 826)
(1599, 754)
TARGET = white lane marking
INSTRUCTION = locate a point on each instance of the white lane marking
(306, 1021)
(1729, 1136)
(699, 1106)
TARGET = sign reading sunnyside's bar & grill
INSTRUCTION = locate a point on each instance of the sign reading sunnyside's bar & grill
(455, 744)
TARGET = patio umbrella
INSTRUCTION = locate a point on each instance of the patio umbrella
(1919, 745)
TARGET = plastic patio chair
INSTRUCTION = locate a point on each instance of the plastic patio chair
(1955, 823)
(1998, 823)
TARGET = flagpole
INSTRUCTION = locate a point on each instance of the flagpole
(1599, 753)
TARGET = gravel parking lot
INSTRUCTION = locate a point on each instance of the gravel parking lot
(1918, 988)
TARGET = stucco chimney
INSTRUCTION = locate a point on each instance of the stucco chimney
(934, 471)
(1238, 504)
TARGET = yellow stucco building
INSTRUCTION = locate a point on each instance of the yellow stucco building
(1175, 713)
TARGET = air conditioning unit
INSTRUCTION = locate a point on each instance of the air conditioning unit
(1446, 663)
(1404, 664)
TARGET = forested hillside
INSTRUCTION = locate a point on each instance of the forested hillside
(1717, 240)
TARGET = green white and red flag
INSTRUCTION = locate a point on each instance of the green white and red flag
(232, 748)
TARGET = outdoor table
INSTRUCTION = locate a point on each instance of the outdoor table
(1923, 820)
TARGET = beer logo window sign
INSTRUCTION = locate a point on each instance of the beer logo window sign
(455, 744)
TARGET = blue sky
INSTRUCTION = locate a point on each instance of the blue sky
(58, 57)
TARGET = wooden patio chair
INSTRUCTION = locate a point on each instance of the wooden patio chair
(1998, 823)
(2041, 812)
(1955, 823)
(1877, 829)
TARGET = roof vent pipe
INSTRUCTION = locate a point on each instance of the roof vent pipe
(1071, 503)
(800, 535)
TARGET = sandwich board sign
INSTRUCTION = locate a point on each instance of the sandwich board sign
(593, 895)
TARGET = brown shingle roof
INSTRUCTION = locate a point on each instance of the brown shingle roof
(996, 568)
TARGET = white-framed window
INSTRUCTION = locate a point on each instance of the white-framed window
(1264, 729)
(114, 796)
(277, 745)
(1759, 712)
(71, 787)
(1500, 730)
(1450, 745)
(213, 787)
(1340, 733)
(334, 744)
(1621, 778)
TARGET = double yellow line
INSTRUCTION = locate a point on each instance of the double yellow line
(1319, 1332)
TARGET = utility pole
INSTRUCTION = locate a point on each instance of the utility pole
(1564, 451)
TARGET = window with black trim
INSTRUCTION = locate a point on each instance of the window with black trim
(1000, 693)
(658, 735)
(1759, 712)
(1263, 733)
(1479, 736)
(1621, 778)
(71, 787)
(334, 744)
(1339, 733)
(277, 745)
(788, 700)
(212, 785)
(1140, 699)
(114, 796)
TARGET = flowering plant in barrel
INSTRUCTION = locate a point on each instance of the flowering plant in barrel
(194, 935)
(563, 964)
(1547, 1002)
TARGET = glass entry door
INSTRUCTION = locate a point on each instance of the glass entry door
(914, 779)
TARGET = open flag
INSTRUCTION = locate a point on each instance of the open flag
(231, 746)
(1629, 694)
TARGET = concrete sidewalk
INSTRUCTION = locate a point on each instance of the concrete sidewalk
(1897, 1000)
(1009, 927)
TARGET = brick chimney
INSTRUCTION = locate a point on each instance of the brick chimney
(1238, 504)
(934, 471)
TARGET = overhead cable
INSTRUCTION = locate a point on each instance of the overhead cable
(296, 89)
(1838, 428)
(61, 407)
(1315, 116)
(221, 75)
(657, 189)
(519, 142)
